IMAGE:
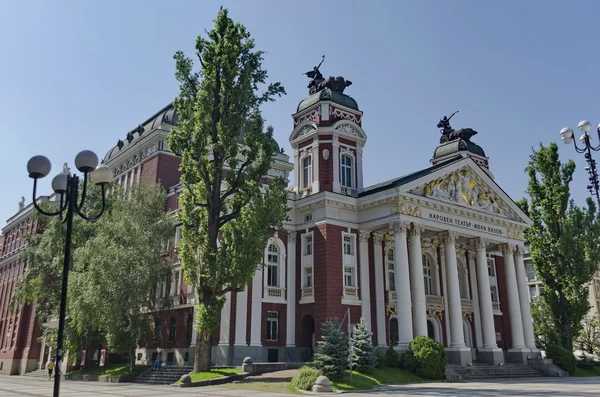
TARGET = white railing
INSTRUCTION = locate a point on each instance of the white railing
(348, 191)
(307, 292)
(496, 306)
(434, 302)
(392, 296)
(466, 305)
(273, 292)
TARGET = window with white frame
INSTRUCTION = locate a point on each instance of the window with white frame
(391, 270)
(177, 235)
(348, 246)
(348, 276)
(347, 171)
(308, 245)
(273, 266)
(493, 282)
(306, 172)
(308, 276)
(530, 271)
(349, 261)
(176, 282)
(427, 276)
(272, 326)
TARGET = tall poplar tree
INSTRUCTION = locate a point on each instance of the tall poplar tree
(564, 242)
(229, 207)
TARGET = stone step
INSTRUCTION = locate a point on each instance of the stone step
(482, 371)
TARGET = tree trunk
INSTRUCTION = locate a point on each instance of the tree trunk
(202, 352)
(567, 331)
(132, 360)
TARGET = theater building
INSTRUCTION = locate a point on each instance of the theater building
(437, 252)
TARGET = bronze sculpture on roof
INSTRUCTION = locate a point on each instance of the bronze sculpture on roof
(449, 134)
(318, 83)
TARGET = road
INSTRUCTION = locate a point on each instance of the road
(12, 386)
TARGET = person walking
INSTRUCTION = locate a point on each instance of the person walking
(50, 368)
(158, 361)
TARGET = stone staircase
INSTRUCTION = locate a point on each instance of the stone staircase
(486, 371)
(39, 373)
(164, 376)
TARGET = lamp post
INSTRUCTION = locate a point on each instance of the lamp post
(67, 186)
(566, 135)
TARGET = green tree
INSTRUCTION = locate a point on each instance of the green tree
(589, 337)
(117, 263)
(364, 358)
(332, 358)
(564, 241)
(229, 208)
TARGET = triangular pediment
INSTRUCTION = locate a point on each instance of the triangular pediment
(465, 184)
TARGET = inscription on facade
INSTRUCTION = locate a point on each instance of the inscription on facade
(466, 224)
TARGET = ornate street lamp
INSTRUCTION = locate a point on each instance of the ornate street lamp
(67, 186)
(566, 135)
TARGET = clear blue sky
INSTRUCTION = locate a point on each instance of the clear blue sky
(79, 74)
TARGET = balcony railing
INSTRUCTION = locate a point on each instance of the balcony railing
(466, 305)
(496, 306)
(350, 292)
(274, 292)
(391, 297)
(434, 302)
(307, 292)
(348, 191)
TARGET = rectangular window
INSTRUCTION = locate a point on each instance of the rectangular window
(348, 276)
(532, 292)
(177, 235)
(272, 275)
(348, 245)
(308, 245)
(306, 172)
(491, 267)
(190, 326)
(391, 281)
(175, 286)
(347, 168)
(308, 277)
(272, 326)
(172, 328)
(494, 292)
(530, 271)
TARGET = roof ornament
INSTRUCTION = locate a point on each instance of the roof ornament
(449, 134)
(120, 144)
(319, 83)
(22, 204)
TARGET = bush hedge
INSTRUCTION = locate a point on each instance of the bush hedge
(426, 357)
(305, 378)
(392, 357)
(562, 357)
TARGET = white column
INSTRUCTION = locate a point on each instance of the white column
(225, 320)
(403, 301)
(194, 331)
(514, 306)
(335, 158)
(315, 167)
(485, 297)
(241, 313)
(379, 289)
(297, 169)
(256, 321)
(445, 288)
(359, 169)
(524, 299)
(457, 337)
(475, 297)
(290, 337)
(365, 289)
(416, 281)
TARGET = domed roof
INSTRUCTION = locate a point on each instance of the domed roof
(457, 145)
(328, 94)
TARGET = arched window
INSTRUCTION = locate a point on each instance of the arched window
(347, 171)
(430, 330)
(391, 270)
(273, 266)
(306, 172)
(394, 334)
(427, 278)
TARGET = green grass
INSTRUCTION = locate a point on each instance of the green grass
(381, 376)
(114, 370)
(214, 373)
(595, 371)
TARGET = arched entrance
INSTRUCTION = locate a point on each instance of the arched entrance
(394, 333)
(468, 333)
(430, 330)
(434, 329)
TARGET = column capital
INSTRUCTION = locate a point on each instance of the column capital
(399, 226)
(416, 229)
(292, 236)
(519, 250)
(479, 243)
(364, 235)
(449, 237)
(507, 249)
(378, 238)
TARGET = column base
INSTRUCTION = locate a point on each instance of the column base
(536, 354)
(490, 355)
(518, 355)
(401, 347)
(459, 355)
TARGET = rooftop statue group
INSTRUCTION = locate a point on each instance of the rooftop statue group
(449, 134)
(318, 83)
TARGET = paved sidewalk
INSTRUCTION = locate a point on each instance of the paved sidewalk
(13, 386)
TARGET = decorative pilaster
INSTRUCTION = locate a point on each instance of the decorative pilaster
(457, 338)
(225, 321)
(335, 158)
(402, 277)
(379, 289)
(524, 299)
(359, 169)
(514, 305)
(419, 308)
(290, 337)
(297, 170)
(315, 162)
(241, 311)
(256, 321)
(365, 289)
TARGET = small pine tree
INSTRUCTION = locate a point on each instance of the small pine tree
(332, 358)
(364, 358)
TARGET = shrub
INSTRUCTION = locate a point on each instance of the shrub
(363, 352)
(305, 378)
(332, 358)
(392, 357)
(585, 364)
(562, 357)
(426, 357)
